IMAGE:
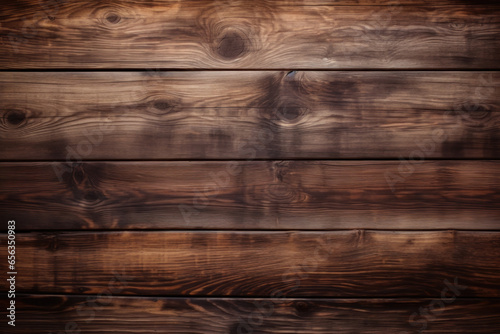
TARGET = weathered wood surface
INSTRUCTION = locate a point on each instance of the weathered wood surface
(248, 115)
(444, 34)
(405, 235)
(52, 313)
(260, 264)
(307, 195)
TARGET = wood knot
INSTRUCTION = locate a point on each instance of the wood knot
(16, 118)
(290, 113)
(77, 173)
(113, 18)
(458, 25)
(476, 116)
(281, 193)
(160, 106)
(231, 46)
(91, 196)
(280, 169)
(84, 183)
(304, 309)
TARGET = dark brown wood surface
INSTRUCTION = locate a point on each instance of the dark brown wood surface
(248, 115)
(52, 313)
(252, 195)
(249, 34)
(261, 264)
(251, 167)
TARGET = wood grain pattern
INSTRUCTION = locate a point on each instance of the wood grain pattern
(249, 115)
(261, 34)
(51, 314)
(260, 264)
(365, 195)
(252, 195)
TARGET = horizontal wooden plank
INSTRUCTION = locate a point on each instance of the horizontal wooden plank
(260, 264)
(257, 35)
(307, 195)
(248, 115)
(52, 313)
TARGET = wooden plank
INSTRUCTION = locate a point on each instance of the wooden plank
(260, 264)
(306, 195)
(445, 34)
(52, 313)
(248, 115)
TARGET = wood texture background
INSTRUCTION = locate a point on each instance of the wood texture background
(233, 316)
(299, 264)
(246, 195)
(249, 115)
(261, 34)
(237, 167)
